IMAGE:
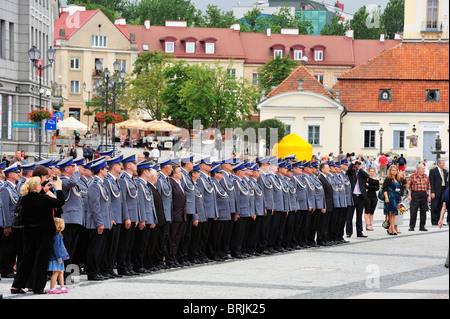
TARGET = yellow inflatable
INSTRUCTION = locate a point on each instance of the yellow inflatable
(293, 144)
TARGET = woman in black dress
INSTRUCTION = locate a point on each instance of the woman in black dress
(372, 186)
(39, 229)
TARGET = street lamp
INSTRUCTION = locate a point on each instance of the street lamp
(34, 55)
(381, 131)
(121, 76)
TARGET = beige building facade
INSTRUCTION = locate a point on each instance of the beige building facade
(426, 20)
(81, 38)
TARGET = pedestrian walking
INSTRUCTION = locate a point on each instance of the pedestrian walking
(392, 194)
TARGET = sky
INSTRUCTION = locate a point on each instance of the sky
(350, 6)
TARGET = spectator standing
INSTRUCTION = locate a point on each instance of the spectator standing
(17, 159)
(383, 164)
(372, 186)
(438, 182)
(392, 193)
(419, 193)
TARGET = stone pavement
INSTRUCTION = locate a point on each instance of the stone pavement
(407, 266)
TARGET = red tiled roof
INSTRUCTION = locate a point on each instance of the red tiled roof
(310, 83)
(414, 61)
(408, 70)
(338, 50)
(72, 23)
(227, 41)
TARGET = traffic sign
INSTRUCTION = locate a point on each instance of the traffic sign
(25, 124)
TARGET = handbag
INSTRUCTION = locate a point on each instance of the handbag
(381, 196)
(386, 224)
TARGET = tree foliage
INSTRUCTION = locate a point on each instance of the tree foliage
(254, 21)
(276, 70)
(147, 83)
(393, 17)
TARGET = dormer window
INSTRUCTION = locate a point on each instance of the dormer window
(318, 55)
(168, 44)
(297, 52)
(210, 45)
(170, 47)
(190, 47)
(189, 44)
(278, 50)
(319, 51)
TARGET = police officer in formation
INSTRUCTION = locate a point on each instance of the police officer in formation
(118, 212)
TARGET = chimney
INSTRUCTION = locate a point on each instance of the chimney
(72, 8)
(176, 24)
(349, 33)
(236, 27)
(147, 24)
(120, 21)
(269, 32)
(289, 31)
(382, 37)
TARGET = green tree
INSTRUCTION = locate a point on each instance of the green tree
(160, 11)
(276, 70)
(216, 97)
(144, 89)
(176, 76)
(335, 27)
(273, 124)
(367, 25)
(216, 18)
(393, 17)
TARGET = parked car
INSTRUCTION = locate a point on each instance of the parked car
(104, 148)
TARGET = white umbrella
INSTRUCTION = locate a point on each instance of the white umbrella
(71, 123)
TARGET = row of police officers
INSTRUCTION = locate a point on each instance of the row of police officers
(139, 217)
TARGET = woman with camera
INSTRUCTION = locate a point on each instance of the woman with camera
(39, 229)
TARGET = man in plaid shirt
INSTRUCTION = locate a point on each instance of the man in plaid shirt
(419, 193)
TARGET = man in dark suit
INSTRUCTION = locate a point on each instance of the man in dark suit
(358, 179)
(153, 258)
(324, 220)
(178, 216)
(438, 182)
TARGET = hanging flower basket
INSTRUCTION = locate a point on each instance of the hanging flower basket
(37, 116)
(88, 113)
(109, 118)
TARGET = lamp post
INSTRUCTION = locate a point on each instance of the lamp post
(34, 55)
(381, 131)
(89, 100)
(121, 74)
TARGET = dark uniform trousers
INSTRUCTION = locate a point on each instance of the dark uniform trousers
(313, 226)
(112, 242)
(288, 234)
(139, 246)
(198, 238)
(254, 234)
(126, 241)
(186, 238)
(359, 207)
(95, 252)
(304, 218)
(265, 231)
(153, 254)
(277, 228)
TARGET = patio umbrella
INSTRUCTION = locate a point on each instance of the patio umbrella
(161, 126)
(71, 123)
(131, 124)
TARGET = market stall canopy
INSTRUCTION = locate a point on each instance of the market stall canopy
(293, 144)
(132, 124)
(161, 126)
(71, 123)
